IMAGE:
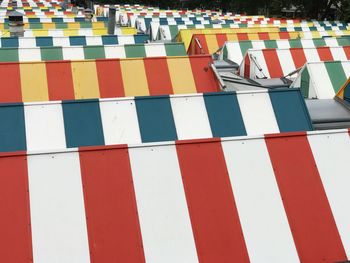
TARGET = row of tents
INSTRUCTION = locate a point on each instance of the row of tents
(127, 148)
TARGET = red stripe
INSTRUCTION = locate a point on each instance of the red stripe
(324, 53)
(158, 76)
(242, 36)
(112, 220)
(264, 36)
(309, 214)
(214, 217)
(15, 231)
(284, 35)
(60, 80)
(110, 78)
(10, 83)
(347, 51)
(195, 48)
(246, 66)
(203, 75)
(298, 56)
(273, 63)
(221, 39)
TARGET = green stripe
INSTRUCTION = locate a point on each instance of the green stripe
(36, 26)
(51, 53)
(270, 43)
(177, 49)
(343, 41)
(62, 25)
(135, 51)
(9, 55)
(305, 82)
(336, 74)
(94, 52)
(225, 52)
(245, 45)
(319, 42)
(295, 43)
(174, 30)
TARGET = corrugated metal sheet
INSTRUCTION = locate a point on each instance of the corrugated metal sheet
(276, 63)
(67, 124)
(181, 202)
(67, 41)
(69, 80)
(73, 32)
(60, 25)
(92, 52)
(212, 42)
(185, 35)
(322, 80)
(235, 50)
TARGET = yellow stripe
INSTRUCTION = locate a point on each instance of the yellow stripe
(232, 37)
(99, 31)
(34, 88)
(40, 33)
(253, 36)
(71, 32)
(181, 75)
(98, 24)
(212, 43)
(85, 80)
(134, 77)
(49, 25)
(73, 25)
(128, 31)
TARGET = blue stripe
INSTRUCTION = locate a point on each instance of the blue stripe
(77, 40)
(12, 128)
(110, 40)
(156, 119)
(224, 114)
(9, 42)
(82, 123)
(44, 41)
(141, 38)
(290, 110)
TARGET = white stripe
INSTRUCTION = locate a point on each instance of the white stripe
(59, 231)
(27, 42)
(283, 43)
(338, 53)
(286, 60)
(260, 59)
(311, 55)
(257, 113)
(234, 52)
(164, 218)
(61, 41)
(114, 51)
(29, 54)
(259, 204)
(93, 40)
(44, 127)
(120, 122)
(157, 50)
(191, 118)
(321, 83)
(331, 42)
(258, 44)
(307, 43)
(331, 153)
(73, 53)
(346, 68)
(122, 40)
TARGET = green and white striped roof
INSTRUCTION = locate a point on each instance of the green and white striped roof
(235, 50)
(91, 52)
(322, 80)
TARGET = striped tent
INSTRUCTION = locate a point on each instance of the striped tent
(72, 32)
(60, 25)
(109, 78)
(235, 50)
(158, 201)
(322, 80)
(276, 63)
(211, 43)
(171, 32)
(313, 28)
(91, 52)
(69, 124)
(67, 41)
(344, 92)
(77, 18)
(185, 35)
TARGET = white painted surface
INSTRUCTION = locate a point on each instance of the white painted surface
(311, 55)
(331, 154)
(338, 53)
(126, 39)
(26, 42)
(61, 41)
(120, 122)
(191, 118)
(73, 53)
(259, 203)
(164, 218)
(257, 112)
(286, 61)
(29, 54)
(260, 59)
(321, 83)
(59, 232)
(155, 50)
(44, 127)
(93, 40)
